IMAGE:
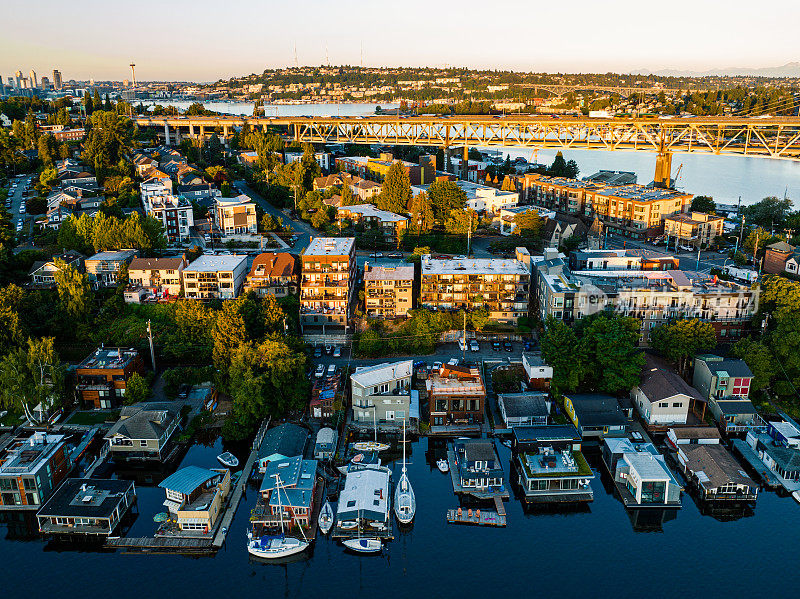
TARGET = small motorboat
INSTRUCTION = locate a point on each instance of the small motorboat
(796, 495)
(364, 545)
(365, 446)
(443, 466)
(326, 518)
(348, 525)
(228, 460)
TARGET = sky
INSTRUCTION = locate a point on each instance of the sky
(201, 40)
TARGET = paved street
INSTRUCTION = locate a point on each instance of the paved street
(16, 200)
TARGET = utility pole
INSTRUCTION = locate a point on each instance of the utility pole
(469, 232)
(739, 239)
(464, 339)
(152, 351)
(697, 267)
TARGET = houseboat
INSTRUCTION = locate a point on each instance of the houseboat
(779, 450)
(550, 466)
(364, 503)
(475, 469)
(716, 476)
(640, 474)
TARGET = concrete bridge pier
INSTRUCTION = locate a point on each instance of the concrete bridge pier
(177, 135)
(191, 130)
(202, 133)
(167, 139)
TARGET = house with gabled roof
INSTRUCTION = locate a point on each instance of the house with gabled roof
(143, 432)
(42, 273)
(664, 398)
(289, 485)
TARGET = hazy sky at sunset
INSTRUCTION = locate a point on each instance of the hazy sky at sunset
(203, 40)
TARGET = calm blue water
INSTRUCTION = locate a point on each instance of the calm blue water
(597, 552)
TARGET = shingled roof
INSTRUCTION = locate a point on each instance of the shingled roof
(658, 384)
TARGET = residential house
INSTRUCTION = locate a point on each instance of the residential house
(377, 168)
(196, 496)
(101, 379)
(477, 465)
(328, 275)
(199, 191)
(288, 486)
(390, 224)
(633, 259)
(663, 398)
(524, 409)
(550, 465)
(562, 227)
(508, 217)
(640, 474)
(388, 289)
(143, 432)
(104, 267)
(480, 198)
(273, 274)
(499, 285)
(42, 273)
(214, 277)
(187, 176)
(143, 162)
(174, 212)
(235, 216)
(31, 468)
(324, 159)
(283, 441)
(160, 276)
(692, 435)
(87, 507)
(779, 449)
(715, 474)
(538, 373)
(456, 395)
(778, 256)
(325, 445)
(725, 383)
(696, 229)
(595, 415)
(364, 505)
(382, 393)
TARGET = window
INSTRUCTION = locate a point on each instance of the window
(143, 443)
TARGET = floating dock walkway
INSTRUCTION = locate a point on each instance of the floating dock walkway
(751, 457)
(476, 517)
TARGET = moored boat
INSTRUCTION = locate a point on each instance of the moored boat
(364, 545)
(274, 546)
(405, 502)
(228, 460)
(443, 466)
(326, 518)
(366, 446)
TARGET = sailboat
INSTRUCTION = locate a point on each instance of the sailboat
(276, 546)
(326, 518)
(363, 544)
(405, 503)
(369, 446)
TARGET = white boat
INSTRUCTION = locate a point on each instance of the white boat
(325, 519)
(364, 545)
(796, 495)
(228, 460)
(370, 446)
(276, 546)
(443, 466)
(405, 502)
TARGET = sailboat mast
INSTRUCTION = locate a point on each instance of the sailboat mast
(278, 490)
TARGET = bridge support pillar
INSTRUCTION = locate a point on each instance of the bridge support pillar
(191, 130)
(663, 174)
(177, 136)
(202, 133)
(167, 139)
(465, 163)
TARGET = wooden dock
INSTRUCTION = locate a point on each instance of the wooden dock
(162, 545)
(766, 475)
(476, 517)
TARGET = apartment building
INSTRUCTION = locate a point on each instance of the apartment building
(382, 393)
(155, 187)
(214, 277)
(622, 259)
(160, 276)
(377, 168)
(327, 276)
(101, 379)
(456, 395)
(653, 297)
(635, 211)
(174, 212)
(697, 229)
(104, 267)
(557, 193)
(388, 289)
(480, 198)
(31, 469)
(499, 285)
(273, 274)
(236, 216)
(389, 223)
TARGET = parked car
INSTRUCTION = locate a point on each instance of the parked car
(462, 344)
(496, 345)
(337, 352)
(397, 255)
(318, 352)
(331, 369)
(452, 362)
(437, 366)
(328, 349)
(319, 371)
(686, 248)
(473, 345)
(508, 346)
(376, 255)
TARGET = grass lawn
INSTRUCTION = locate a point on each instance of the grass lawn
(91, 417)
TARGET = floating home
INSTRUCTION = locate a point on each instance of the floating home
(31, 468)
(89, 508)
(640, 474)
(364, 503)
(292, 492)
(550, 465)
(195, 497)
(779, 450)
(475, 468)
(716, 475)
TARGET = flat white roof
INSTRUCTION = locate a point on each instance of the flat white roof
(473, 190)
(371, 376)
(473, 266)
(370, 210)
(209, 263)
(330, 246)
(238, 200)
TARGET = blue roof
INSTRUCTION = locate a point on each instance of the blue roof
(186, 480)
(293, 473)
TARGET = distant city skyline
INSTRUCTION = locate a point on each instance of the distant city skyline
(509, 34)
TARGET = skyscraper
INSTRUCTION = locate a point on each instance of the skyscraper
(34, 81)
(45, 83)
(56, 79)
(18, 75)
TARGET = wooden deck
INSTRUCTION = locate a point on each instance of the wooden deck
(766, 475)
(477, 517)
(162, 545)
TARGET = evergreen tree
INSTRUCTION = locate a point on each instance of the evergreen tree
(396, 189)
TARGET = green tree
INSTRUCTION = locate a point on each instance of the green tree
(419, 207)
(445, 196)
(73, 290)
(136, 389)
(11, 327)
(704, 204)
(759, 359)
(508, 184)
(528, 224)
(396, 189)
(108, 142)
(46, 149)
(348, 197)
(769, 212)
(31, 375)
(308, 168)
(609, 342)
(683, 339)
(320, 219)
(228, 333)
(561, 351)
(461, 222)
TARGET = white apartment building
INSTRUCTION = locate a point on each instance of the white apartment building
(214, 277)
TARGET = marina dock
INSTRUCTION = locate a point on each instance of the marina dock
(476, 517)
(751, 457)
(491, 493)
(179, 545)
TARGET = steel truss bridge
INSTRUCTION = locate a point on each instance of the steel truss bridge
(773, 137)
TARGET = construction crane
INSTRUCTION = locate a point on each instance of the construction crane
(677, 176)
